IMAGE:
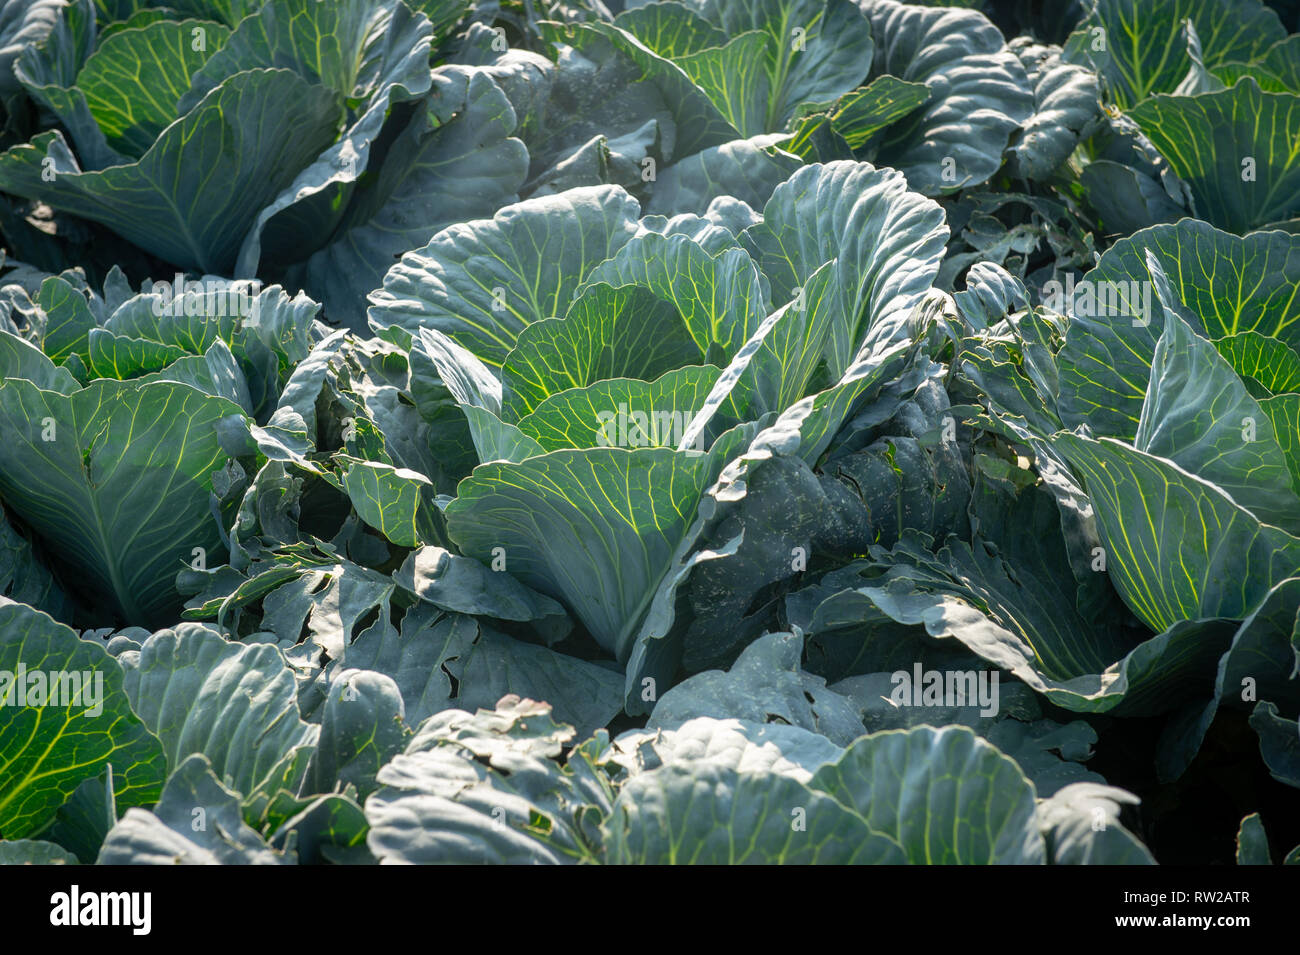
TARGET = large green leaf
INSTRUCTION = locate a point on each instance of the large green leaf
(1081, 826)
(1177, 547)
(814, 50)
(48, 71)
(197, 821)
(63, 718)
(25, 578)
(23, 23)
(1139, 47)
(192, 197)
(696, 122)
(1199, 415)
(721, 298)
(455, 160)
(887, 242)
(19, 358)
(483, 282)
(692, 815)
(1067, 102)
(361, 49)
(117, 477)
(946, 796)
(1235, 149)
(851, 121)
(979, 91)
(362, 728)
(626, 332)
(764, 685)
(485, 788)
(596, 528)
(233, 704)
(133, 82)
(746, 169)
(622, 412)
(1227, 287)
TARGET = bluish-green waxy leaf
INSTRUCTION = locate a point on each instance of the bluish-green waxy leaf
(233, 704)
(1081, 826)
(358, 48)
(1199, 415)
(34, 852)
(1279, 742)
(1139, 47)
(1011, 598)
(24, 578)
(1012, 722)
(745, 169)
(582, 693)
(328, 829)
(452, 661)
(1235, 149)
(438, 808)
(198, 821)
(23, 24)
(813, 51)
(82, 822)
(980, 94)
(595, 528)
(1177, 547)
(1252, 842)
(482, 282)
(215, 373)
(622, 412)
(627, 332)
(731, 744)
(121, 358)
(19, 358)
(463, 585)
(397, 502)
(117, 478)
(362, 727)
(136, 78)
(796, 339)
(1226, 286)
(63, 718)
(764, 685)
(48, 72)
(513, 803)
(455, 160)
(855, 117)
(887, 242)
(697, 123)
(476, 391)
(1067, 102)
(721, 298)
(414, 659)
(946, 796)
(192, 197)
(68, 318)
(1277, 69)
(670, 29)
(692, 815)
(734, 78)
(1284, 413)
(1127, 200)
